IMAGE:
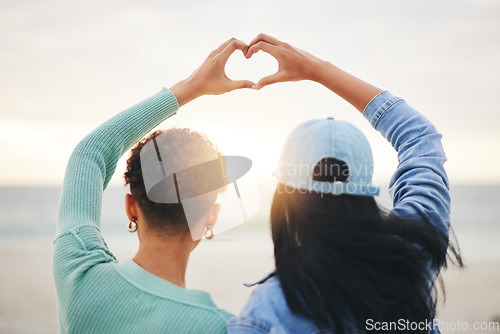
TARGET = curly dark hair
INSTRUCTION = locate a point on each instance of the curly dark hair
(182, 147)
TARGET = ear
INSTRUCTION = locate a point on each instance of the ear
(131, 207)
(209, 218)
(214, 214)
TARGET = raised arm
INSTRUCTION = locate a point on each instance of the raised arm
(94, 159)
(295, 65)
(79, 244)
(419, 187)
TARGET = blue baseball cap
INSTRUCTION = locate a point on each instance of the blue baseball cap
(313, 141)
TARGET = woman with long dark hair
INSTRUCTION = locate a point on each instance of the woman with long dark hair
(343, 264)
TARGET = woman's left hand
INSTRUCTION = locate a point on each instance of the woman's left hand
(210, 78)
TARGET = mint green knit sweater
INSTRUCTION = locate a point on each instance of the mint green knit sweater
(95, 293)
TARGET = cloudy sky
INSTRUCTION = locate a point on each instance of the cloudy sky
(66, 67)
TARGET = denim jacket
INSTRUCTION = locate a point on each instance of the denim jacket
(419, 189)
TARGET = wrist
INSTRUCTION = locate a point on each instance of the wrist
(320, 71)
(185, 91)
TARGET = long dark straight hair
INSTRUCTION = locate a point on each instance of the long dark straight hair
(341, 260)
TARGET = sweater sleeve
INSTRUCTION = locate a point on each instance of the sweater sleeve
(79, 245)
(419, 187)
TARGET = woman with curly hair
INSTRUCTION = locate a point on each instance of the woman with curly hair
(96, 294)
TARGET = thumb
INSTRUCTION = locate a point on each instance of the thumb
(238, 84)
(269, 80)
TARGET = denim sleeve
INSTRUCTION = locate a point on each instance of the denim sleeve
(419, 187)
(242, 325)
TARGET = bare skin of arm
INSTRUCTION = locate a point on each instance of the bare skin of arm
(295, 65)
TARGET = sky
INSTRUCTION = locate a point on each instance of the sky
(66, 67)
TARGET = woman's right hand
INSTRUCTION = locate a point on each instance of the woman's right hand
(210, 78)
(294, 64)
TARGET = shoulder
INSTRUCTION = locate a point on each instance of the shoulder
(265, 301)
(266, 311)
(267, 291)
(268, 294)
(220, 314)
(260, 313)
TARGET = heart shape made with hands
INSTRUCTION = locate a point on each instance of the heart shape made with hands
(255, 68)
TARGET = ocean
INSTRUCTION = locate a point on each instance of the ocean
(30, 213)
(221, 266)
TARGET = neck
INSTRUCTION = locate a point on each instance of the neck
(165, 257)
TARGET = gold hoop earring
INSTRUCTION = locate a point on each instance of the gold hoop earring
(209, 233)
(132, 225)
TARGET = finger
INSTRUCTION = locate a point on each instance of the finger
(265, 38)
(269, 80)
(239, 84)
(264, 46)
(231, 47)
(222, 46)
